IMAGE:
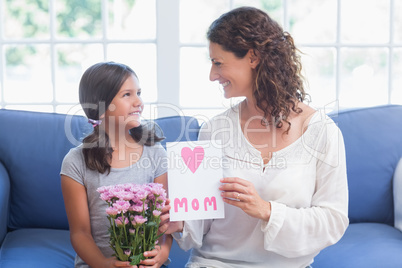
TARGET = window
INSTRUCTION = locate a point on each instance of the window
(352, 50)
(47, 45)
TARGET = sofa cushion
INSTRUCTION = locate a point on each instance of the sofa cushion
(4, 197)
(178, 128)
(33, 248)
(379, 245)
(398, 195)
(178, 257)
(32, 149)
(373, 148)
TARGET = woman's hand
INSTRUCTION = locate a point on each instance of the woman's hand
(242, 194)
(166, 226)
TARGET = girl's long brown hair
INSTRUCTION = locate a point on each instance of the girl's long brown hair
(98, 86)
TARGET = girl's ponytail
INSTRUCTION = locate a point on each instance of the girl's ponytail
(97, 151)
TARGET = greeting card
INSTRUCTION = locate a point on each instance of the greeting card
(194, 173)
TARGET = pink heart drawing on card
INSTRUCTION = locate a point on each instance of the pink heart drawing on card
(192, 158)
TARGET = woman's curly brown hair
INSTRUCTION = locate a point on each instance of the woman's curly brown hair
(278, 78)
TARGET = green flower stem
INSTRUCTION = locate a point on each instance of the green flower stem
(143, 227)
(112, 224)
(135, 244)
(124, 227)
(144, 244)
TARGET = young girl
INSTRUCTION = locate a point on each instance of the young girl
(119, 150)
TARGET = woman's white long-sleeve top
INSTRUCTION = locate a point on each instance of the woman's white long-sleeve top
(306, 184)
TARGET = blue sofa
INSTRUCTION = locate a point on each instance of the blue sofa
(33, 223)
(373, 143)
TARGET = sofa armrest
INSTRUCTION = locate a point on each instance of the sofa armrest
(398, 195)
(4, 197)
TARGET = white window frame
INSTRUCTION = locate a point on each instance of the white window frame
(338, 46)
(168, 53)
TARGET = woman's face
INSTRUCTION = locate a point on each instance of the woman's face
(126, 107)
(234, 74)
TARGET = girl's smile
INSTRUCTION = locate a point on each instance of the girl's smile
(127, 106)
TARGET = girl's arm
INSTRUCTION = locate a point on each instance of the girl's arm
(75, 200)
(162, 179)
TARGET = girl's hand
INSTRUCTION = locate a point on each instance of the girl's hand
(113, 262)
(166, 225)
(242, 194)
(165, 217)
(155, 259)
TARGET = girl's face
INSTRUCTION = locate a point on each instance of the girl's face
(234, 74)
(126, 107)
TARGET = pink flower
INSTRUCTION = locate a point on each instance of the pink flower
(156, 213)
(112, 211)
(138, 220)
(160, 203)
(137, 208)
(121, 206)
(105, 196)
(159, 195)
(125, 196)
(161, 200)
(119, 221)
(142, 195)
(103, 189)
(116, 190)
(128, 205)
(126, 187)
(157, 190)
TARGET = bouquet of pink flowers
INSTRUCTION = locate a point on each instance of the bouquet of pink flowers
(133, 213)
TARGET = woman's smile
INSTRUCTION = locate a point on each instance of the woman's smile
(234, 74)
(225, 84)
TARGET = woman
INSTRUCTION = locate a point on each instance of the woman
(284, 185)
